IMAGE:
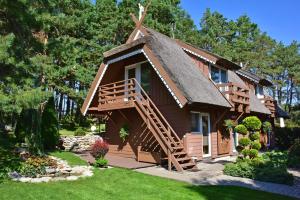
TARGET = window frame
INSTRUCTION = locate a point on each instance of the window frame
(200, 115)
(220, 69)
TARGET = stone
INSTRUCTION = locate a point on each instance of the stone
(14, 175)
(58, 179)
(50, 171)
(72, 178)
(25, 179)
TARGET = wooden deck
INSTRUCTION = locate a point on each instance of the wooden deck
(117, 161)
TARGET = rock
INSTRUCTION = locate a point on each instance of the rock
(14, 175)
(24, 179)
(58, 179)
(87, 174)
(72, 178)
(50, 171)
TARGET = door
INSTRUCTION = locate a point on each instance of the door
(223, 140)
(132, 71)
(201, 125)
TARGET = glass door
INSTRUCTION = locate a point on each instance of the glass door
(201, 125)
(133, 71)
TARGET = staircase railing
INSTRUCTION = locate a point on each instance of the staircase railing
(130, 90)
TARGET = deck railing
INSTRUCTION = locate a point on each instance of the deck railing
(269, 102)
(237, 95)
(129, 93)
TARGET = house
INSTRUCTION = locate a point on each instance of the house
(174, 98)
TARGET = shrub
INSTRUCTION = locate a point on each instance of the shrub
(245, 152)
(294, 155)
(31, 171)
(254, 136)
(79, 132)
(124, 132)
(101, 162)
(252, 123)
(259, 169)
(239, 148)
(229, 124)
(267, 127)
(241, 129)
(285, 137)
(255, 145)
(49, 126)
(99, 149)
(244, 142)
(253, 153)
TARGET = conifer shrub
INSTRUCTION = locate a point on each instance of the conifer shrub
(244, 142)
(241, 129)
(255, 145)
(252, 123)
(49, 127)
(254, 136)
(266, 127)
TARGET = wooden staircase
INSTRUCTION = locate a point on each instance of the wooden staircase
(131, 93)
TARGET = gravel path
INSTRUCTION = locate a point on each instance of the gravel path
(211, 173)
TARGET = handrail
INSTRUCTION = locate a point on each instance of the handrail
(157, 110)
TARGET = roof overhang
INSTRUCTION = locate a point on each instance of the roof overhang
(208, 56)
(255, 78)
(127, 51)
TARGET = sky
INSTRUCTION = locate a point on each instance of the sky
(279, 18)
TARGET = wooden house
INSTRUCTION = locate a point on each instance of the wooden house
(174, 98)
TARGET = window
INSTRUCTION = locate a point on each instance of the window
(259, 91)
(218, 75)
(145, 76)
(201, 124)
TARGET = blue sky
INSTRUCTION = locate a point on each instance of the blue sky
(279, 18)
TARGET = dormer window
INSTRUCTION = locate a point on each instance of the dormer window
(218, 75)
(259, 91)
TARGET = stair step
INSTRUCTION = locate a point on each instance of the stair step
(177, 147)
(182, 159)
(179, 153)
(187, 165)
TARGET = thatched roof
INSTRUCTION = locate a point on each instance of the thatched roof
(183, 71)
(254, 77)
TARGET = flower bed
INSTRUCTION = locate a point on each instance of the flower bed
(48, 168)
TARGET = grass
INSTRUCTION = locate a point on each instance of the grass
(111, 184)
(70, 157)
(66, 132)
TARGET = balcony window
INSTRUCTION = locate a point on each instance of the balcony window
(145, 76)
(218, 75)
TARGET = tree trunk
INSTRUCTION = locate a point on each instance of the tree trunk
(60, 105)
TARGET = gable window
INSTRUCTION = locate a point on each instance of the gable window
(218, 75)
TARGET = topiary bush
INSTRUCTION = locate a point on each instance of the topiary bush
(245, 152)
(255, 145)
(241, 129)
(252, 123)
(253, 153)
(79, 132)
(244, 142)
(254, 136)
(49, 126)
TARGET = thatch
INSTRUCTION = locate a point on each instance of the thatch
(254, 77)
(183, 71)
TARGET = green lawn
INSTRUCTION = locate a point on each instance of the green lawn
(116, 183)
(66, 132)
(70, 157)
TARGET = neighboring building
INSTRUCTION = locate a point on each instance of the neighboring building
(174, 98)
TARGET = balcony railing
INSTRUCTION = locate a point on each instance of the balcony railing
(269, 103)
(237, 95)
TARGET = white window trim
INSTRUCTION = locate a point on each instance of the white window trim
(220, 68)
(201, 131)
(260, 96)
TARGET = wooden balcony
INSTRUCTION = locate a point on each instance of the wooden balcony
(237, 95)
(269, 103)
(117, 95)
